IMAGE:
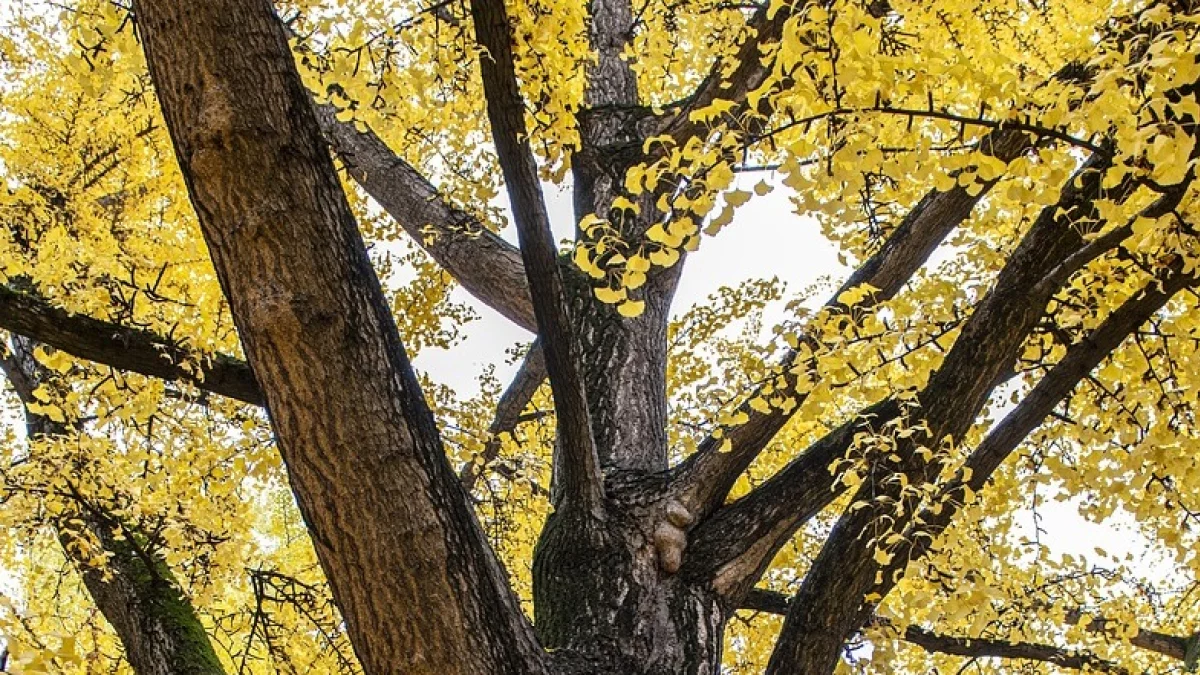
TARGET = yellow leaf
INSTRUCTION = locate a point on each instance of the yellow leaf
(631, 308)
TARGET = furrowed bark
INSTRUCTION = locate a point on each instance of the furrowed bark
(580, 467)
(610, 79)
(135, 590)
(829, 606)
(772, 602)
(124, 348)
(408, 564)
(624, 360)
(482, 262)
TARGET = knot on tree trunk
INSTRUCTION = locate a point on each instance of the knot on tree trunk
(670, 536)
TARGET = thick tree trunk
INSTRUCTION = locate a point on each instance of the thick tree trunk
(603, 598)
(408, 565)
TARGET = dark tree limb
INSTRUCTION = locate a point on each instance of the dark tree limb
(124, 348)
(417, 584)
(1055, 386)
(512, 403)
(845, 570)
(773, 602)
(478, 259)
(1173, 646)
(580, 470)
(749, 74)
(706, 477)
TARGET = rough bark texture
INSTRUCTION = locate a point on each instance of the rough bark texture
(602, 595)
(408, 565)
(135, 591)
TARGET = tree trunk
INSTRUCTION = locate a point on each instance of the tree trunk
(603, 598)
(407, 563)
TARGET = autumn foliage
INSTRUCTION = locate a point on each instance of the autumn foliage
(855, 490)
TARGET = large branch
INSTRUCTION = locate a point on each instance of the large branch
(845, 570)
(737, 542)
(1054, 387)
(124, 348)
(410, 569)
(482, 262)
(708, 475)
(580, 466)
(773, 602)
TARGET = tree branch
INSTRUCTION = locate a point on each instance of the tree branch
(773, 602)
(987, 346)
(1172, 646)
(580, 470)
(1055, 386)
(749, 74)
(706, 477)
(512, 403)
(124, 348)
(478, 259)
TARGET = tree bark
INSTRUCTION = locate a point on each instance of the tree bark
(408, 565)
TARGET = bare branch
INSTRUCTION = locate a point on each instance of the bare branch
(486, 265)
(581, 479)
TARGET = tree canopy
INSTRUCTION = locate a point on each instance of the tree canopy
(227, 226)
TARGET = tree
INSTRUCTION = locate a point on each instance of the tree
(851, 478)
